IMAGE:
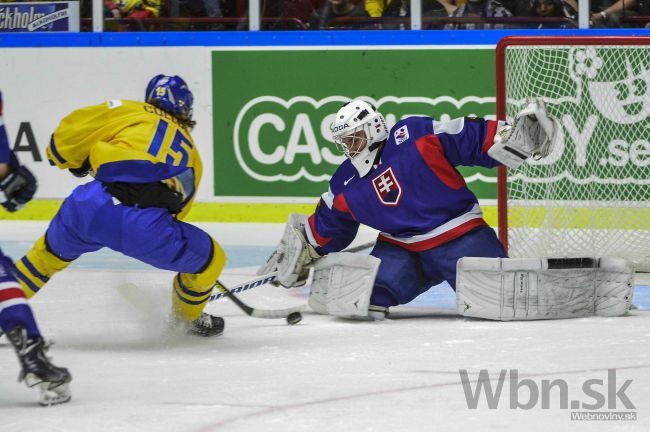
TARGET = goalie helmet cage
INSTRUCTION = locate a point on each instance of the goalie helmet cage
(591, 195)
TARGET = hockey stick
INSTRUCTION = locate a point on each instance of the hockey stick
(131, 293)
(127, 290)
(268, 278)
(292, 315)
(271, 278)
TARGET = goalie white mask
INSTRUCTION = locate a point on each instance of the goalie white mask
(359, 131)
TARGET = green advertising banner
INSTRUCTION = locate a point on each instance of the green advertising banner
(272, 112)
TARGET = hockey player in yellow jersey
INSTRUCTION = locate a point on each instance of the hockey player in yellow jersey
(146, 171)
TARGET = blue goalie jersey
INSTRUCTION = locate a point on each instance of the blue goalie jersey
(414, 196)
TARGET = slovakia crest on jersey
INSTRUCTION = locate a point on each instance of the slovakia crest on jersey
(401, 135)
(387, 187)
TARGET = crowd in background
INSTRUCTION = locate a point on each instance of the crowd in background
(365, 14)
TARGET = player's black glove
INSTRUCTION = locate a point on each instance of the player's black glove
(83, 170)
(17, 188)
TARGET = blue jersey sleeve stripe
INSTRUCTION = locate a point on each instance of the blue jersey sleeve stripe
(55, 152)
(33, 270)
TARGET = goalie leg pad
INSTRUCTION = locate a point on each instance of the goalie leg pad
(509, 289)
(614, 287)
(342, 284)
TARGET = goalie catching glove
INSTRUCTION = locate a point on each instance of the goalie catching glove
(293, 255)
(18, 187)
(532, 134)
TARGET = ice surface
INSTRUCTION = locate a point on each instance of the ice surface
(324, 374)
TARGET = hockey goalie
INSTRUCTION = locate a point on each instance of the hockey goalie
(404, 183)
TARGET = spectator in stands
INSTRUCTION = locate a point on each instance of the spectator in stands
(599, 15)
(643, 8)
(479, 9)
(518, 7)
(553, 9)
(610, 16)
(133, 9)
(395, 8)
(201, 9)
(400, 9)
(376, 8)
(288, 14)
(381, 8)
(334, 9)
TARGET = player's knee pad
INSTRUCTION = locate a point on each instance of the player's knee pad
(37, 267)
(192, 291)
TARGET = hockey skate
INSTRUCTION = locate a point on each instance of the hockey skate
(205, 325)
(37, 370)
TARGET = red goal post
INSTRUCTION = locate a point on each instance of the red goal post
(591, 196)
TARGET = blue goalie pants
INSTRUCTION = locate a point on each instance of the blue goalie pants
(404, 275)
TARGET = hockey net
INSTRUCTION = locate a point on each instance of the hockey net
(591, 195)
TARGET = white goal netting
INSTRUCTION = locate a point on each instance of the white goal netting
(591, 195)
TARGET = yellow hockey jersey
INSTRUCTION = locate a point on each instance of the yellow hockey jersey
(129, 141)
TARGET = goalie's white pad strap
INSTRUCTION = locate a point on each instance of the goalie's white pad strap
(532, 134)
(615, 287)
(342, 283)
(535, 288)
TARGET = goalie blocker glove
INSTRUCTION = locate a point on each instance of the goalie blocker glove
(532, 134)
(18, 187)
(292, 256)
(295, 254)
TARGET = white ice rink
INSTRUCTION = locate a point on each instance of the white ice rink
(324, 374)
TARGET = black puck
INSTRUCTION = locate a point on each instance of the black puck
(294, 318)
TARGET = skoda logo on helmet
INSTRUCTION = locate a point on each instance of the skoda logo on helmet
(339, 128)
